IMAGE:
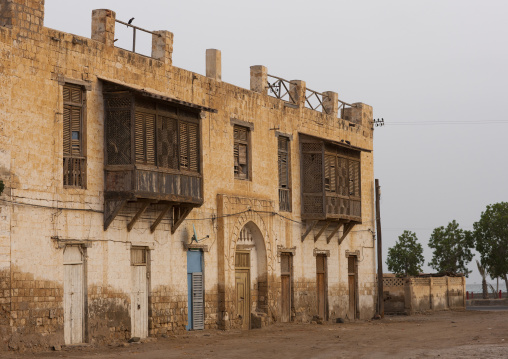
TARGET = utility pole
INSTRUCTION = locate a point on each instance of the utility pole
(381, 304)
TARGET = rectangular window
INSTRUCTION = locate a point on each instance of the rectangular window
(74, 161)
(284, 166)
(241, 152)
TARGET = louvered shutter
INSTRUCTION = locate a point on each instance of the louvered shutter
(330, 175)
(184, 146)
(343, 177)
(139, 138)
(67, 130)
(167, 144)
(75, 124)
(193, 147)
(198, 315)
(354, 178)
(150, 138)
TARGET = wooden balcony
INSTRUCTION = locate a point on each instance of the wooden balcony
(134, 182)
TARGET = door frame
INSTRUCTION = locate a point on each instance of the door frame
(84, 263)
(291, 286)
(356, 312)
(148, 287)
(247, 270)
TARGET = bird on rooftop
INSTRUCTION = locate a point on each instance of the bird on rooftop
(130, 21)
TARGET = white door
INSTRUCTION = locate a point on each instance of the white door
(139, 300)
(73, 295)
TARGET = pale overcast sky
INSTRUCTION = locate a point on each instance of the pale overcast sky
(420, 64)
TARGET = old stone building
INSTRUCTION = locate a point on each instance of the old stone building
(143, 199)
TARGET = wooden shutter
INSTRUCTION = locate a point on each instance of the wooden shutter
(241, 152)
(193, 147)
(76, 132)
(67, 130)
(330, 173)
(283, 162)
(354, 178)
(184, 145)
(118, 128)
(144, 137)
(198, 315)
(343, 177)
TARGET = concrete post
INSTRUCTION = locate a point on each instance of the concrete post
(360, 114)
(259, 79)
(26, 14)
(297, 90)
(213, 64)
(162, 46)
(331, 103)
(103, 26)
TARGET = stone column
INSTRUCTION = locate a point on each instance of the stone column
(331, 103)
(360, 114)
(297, 90)
(213, 64)
(259, 79)
(103, 26)
(162, 46)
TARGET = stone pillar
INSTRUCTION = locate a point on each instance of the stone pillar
(213, 64)
(26, 14)
(162, 46)
(297, 90)
(360, 114)
(331, 103)
(103, 26)
(259, 79)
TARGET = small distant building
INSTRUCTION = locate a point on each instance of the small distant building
(143, 199)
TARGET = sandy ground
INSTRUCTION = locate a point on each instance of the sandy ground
(450, 334)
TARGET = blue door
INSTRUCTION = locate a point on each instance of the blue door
(195, 291)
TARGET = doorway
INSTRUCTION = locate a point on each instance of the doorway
(195, 285)
(242, 286)
(352, 270)
(286, 263)
(74, 295)
(139, 295)
(321, 277)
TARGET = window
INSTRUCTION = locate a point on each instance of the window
(162, 138)
(74, 161)
(241, 152)
(284, 174)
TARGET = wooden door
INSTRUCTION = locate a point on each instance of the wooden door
(285, 310)
(195, 279)
(139, 295)
(321, 285)
(73, 295)
(352, 287)
(243, 297)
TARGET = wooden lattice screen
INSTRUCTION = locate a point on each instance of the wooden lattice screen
(118, 129)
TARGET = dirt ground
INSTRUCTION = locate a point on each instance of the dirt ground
(449, 334)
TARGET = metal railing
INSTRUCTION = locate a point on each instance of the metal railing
(284, 200)
(134, 28)
(74, 171)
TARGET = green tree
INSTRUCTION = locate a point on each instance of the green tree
(490, 234)
(452, 249)
(406, 257)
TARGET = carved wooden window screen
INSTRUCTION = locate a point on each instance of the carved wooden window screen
(74, 161)
(241, 152)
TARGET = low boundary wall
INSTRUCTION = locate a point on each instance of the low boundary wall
(420, 294)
